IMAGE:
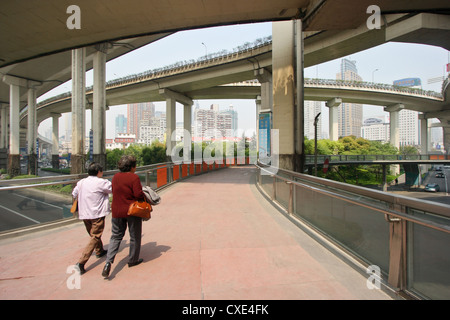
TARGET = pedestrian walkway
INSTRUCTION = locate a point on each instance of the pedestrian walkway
(213, 237)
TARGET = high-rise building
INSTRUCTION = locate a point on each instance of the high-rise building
(121, 124)
(408, 121)
(312, 108)
(349, 114)
(376, 129)
(137, 112)
(209, 121)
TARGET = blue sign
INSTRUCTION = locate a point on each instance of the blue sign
(91, 145)
(408, 82)
(264, 126)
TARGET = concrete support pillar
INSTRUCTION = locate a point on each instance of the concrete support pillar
(446, 133)
(14, 131)
(99, 106)
(171, 98)
(287, 66)
(333, 106)
(3, 126)
(394, 116)
(265, 78)
(78, 110)
(32, 132)
(187, 136)
(394, 123)
(170, 124)
(55, 140)
(423, 134)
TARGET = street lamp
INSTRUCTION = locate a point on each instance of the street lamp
(316, 119)
(206, 51)
(373, 73)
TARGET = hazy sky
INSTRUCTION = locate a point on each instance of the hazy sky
(393, 60)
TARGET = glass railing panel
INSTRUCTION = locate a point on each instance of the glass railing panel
(36, 205)
(267, 184)
(282, 193)
(362, 230)
(429, 259)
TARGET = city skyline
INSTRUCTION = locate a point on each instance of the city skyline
(382, 64)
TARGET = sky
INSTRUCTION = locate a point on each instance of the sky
(381, 64)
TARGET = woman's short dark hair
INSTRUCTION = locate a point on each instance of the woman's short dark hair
(94, 168)
(126, 163)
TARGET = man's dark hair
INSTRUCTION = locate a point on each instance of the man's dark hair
(126, 163)
(94, 169)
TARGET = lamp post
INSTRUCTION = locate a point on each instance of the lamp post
(206, 51)
(373, 73)
(316, 119)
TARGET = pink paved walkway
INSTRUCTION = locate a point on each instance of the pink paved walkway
(212, 237)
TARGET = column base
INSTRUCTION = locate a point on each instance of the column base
(101, 159)
(78, 162)
(32, 164)
(14, 165)
(55, 161)
(292, 162)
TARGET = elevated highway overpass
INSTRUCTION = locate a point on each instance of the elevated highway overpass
(379, 228)
(324, 38)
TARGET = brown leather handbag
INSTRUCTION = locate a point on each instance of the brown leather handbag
(140, 209)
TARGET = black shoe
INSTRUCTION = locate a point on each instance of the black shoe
(101, 254)
(106, 270)
(132, 264)
(80, 268)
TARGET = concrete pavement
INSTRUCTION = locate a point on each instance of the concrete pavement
(213, 237)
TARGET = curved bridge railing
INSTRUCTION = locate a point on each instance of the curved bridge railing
(403, 241)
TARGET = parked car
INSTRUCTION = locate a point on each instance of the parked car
(432, 187)
(440, 175)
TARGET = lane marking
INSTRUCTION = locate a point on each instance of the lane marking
(19, 214)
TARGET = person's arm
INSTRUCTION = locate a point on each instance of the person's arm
(75, 191)
(137, 189)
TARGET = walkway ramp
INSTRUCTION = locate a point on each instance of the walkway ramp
(213, 237)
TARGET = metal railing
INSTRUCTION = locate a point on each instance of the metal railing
(309, 159)
(407, 239)
(54, 208)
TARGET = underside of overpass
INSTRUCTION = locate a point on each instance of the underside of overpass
(40, 37)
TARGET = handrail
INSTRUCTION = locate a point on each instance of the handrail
(394, 199)
(442, 209)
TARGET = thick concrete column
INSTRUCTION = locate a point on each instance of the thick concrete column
(333, 106)
(423, 134)
(394, 116)
(78, 157)
(287, 74)
(446, 132)
(394, 123)
(55, 140)
(171, 98)
(99, 106)
(170, 124)
(3, 126)
(32, 132)
(187, 136)
(14, 131)
(265, 78)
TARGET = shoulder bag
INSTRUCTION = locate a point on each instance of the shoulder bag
(140, 209)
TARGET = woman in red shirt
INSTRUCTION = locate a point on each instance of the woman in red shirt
(126, 189)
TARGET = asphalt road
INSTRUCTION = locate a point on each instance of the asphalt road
(27, 207)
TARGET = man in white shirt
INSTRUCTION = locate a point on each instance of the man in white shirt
(93, 205)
